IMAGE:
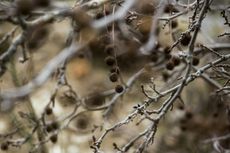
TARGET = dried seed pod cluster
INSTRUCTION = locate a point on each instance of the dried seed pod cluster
(110, 60)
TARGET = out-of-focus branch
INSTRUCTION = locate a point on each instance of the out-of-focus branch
(42, 76)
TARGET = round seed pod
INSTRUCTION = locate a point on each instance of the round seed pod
(186, 39)
(82, 123)
(176, 60)
(48, 111)
(113, 77)
(174, 24)
(215, 115)
(188, 115)
(181, 107)
(4, 146)
(165, 75)
(55, 125)
(109, 50)
(195, 61)
(110, 60)
(183, 128)
(49, 128)
(119, 88)
(169, 66)
(54, 138)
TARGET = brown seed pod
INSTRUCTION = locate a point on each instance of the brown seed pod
(169, 66)
(110, 60)
(195, 61)
(55, 125)
(110, 50)
(82, 123)
(188, 115)
(4, 146)
(48, 111)
(49, 128)
(181, 107)
(113, 77)
(119, 88)
(54, 138)
(174, 24)
(165, 75)
(183, 128)
(175, 60)
(185, 39)
(215, 115)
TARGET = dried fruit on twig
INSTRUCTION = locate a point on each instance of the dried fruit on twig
(169, 66)
(54, 138)
(185, 39)
(110, 60)
(119, 88)
(48, 111)
(175, 60)
(113, 77)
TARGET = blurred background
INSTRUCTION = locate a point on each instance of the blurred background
(201, 115)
